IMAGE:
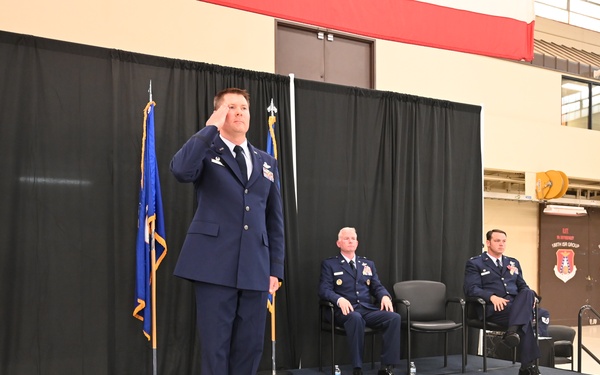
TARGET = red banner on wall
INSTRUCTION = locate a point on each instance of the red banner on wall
(498, 28)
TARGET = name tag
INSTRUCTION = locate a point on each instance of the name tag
(338, 273)
(485, 273)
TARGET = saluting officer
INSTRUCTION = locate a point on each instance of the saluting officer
(234, 248)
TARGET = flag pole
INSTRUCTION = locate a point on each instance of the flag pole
(272, 150)
(274, 370)
(151, 245)
(153, 279)
(273, 338)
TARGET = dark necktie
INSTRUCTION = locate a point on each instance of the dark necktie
(241, 160)
(353, 265)
(499, 264)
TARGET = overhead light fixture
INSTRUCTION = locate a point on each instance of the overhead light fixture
(557, 210)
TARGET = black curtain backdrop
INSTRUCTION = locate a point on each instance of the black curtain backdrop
(404, 170)
(71, 120)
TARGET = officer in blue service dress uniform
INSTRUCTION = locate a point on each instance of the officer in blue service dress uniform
(349, 282)
(234, 248)
(498, 280)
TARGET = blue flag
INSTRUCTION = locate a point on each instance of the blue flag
(151, 246)
(271, 144)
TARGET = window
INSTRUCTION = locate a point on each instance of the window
(580, 106)
(581, 13)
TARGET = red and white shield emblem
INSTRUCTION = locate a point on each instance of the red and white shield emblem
(565, 264)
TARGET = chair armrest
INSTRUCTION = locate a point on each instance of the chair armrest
(326, 313)
(479, 300)
(472, 304)
(461, 301)
(457, 301)
(403, 309)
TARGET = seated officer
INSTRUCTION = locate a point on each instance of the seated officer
(498, 280)
(349, 281)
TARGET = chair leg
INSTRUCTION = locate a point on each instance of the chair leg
(408, 357)
(466, 343)
(320, 351)
(484, 336)
(464, 350)
(372, 352)
(445, 349)
(332, 351)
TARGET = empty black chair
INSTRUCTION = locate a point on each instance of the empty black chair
(423, 306)
(326, 320)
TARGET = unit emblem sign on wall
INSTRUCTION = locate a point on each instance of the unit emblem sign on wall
(565, 264)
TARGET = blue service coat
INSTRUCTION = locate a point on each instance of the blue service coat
(339, 280)
(483, 279)
(236, 237)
